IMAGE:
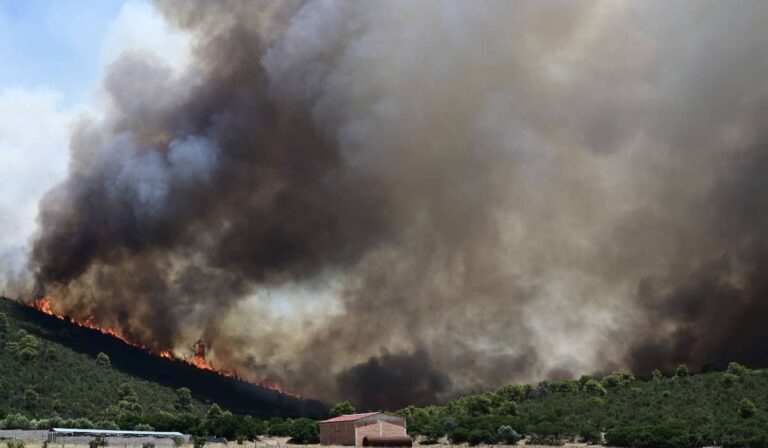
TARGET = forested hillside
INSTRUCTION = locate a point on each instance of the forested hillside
(678, 410)
(42, 378)
(50, 367)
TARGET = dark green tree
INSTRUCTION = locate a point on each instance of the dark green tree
(304, 431)
(103, 359)
(342, 408)
(682, 371)
(183, 399)
(747, 409)
(214, 411)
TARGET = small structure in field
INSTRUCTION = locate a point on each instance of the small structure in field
(369, 429)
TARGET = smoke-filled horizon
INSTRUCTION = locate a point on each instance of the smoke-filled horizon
(395, 202)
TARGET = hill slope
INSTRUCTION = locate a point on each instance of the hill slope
(708, 409)
(63, 376)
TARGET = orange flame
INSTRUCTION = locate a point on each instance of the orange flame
(44, 305)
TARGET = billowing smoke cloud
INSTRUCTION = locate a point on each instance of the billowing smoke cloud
(393, 202)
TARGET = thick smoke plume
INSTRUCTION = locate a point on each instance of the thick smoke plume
(393, 202)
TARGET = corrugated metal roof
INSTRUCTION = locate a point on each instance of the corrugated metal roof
(117, 432)
(349, 417)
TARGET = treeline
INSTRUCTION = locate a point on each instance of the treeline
(215, 423)
(678, 410)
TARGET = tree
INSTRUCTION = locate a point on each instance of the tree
(729, 379)
(682, 371)
(747, 409)
(511, 392)
(103, 359)
(183, 399)
(214, 411)
(593, 387)
(509, 408)
(4, 323)
(342, 408)
(735, 368)
(304, 431)
(127, 393)
(30, 397)
(28, 354)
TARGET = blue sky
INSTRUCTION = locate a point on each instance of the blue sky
(54, 44)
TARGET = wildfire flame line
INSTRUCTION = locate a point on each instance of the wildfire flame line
(44, 305)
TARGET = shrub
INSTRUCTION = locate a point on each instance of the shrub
(103, 359)
(83, 423)
(548, 440)
(177, 441)
(3, 323)
(97, 442)
(511, 392)
(590, 436)
(593, 387)
(747, 409)
(17, 421)
(214, 411)
(737, 369)
(304, 431)
(28, 354)
(143, 427)
(682, 371)
(596, 401)
(15, 444)
(656, 375)
(342, 408)
(728, 379)
(508, 435)
(509, 408)
(183, 399)
(107, 424)
(198, 441)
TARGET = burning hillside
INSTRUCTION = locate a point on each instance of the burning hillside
(44, 304)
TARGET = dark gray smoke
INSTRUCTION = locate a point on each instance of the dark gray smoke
(394, 202)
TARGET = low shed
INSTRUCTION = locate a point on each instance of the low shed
(353, 428)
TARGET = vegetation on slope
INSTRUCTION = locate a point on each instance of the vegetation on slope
(42, 378)
(45, 384)
(144, 370)
(716, 408)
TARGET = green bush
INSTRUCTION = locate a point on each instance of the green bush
(17, 421)
(747, 409)
(14, 444)
(103, 359)
(682, 371)
(508, 435)
(729, 379)
(304, 431)
(198, 441)
(342, 408)
(97, 442)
